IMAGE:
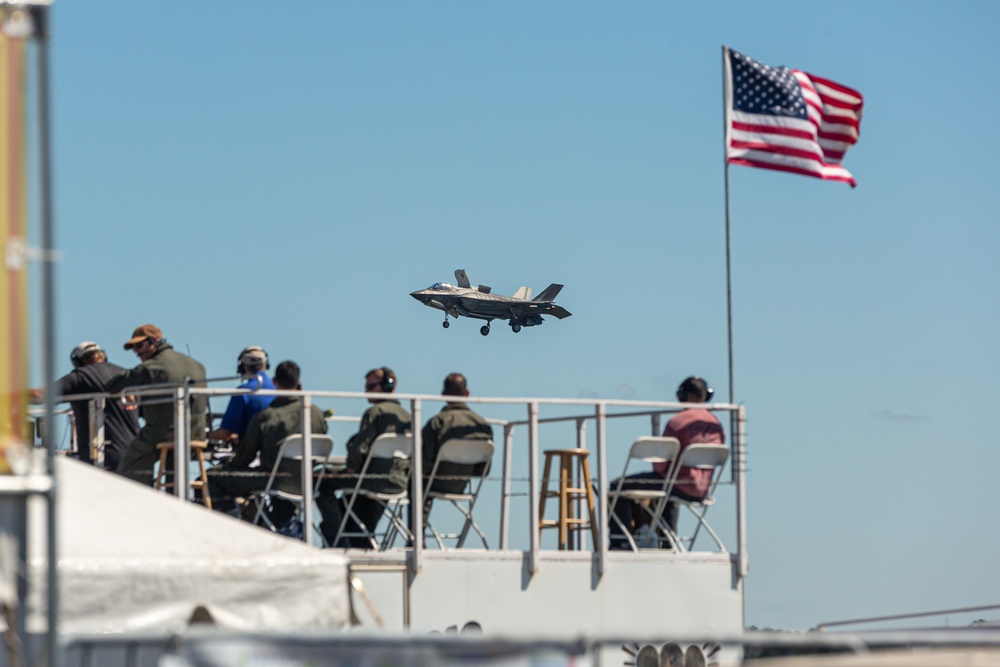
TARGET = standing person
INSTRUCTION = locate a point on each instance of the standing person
(385, 415)
(252, 366)
(91, 372)
(283, 417)
(455, 420)
(161, 364)
(690, 426)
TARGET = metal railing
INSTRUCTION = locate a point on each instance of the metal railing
(585, 413)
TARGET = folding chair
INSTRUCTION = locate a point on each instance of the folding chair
(702, 455)
(292, 448)
(386, 446)
(466, 452)
(653, 500)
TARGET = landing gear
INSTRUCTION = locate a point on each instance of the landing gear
(515, 328)
(446, 324)
(485, 330)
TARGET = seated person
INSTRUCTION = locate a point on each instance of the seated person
(252, 366)
(385, 415)
(283, 417)
(455, 420)
(693, 425)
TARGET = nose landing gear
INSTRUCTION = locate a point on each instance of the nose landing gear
(485, 329)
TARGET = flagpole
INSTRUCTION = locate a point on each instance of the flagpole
(726, 106)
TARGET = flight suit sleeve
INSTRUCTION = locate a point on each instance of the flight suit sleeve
(429, 444)
(137, 376)
(357, 446)
(248, 445)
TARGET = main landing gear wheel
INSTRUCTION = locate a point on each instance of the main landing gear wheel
(485, 330)
(515, 328)
(446, 324)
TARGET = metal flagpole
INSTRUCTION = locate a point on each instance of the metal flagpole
(41, 19)
(726, 106)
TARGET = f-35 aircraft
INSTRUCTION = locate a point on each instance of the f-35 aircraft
(480, 303)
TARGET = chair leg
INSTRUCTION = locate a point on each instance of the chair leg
(161, 474)
(565, 472)
(206, 497)
(585, 473)
(545, 493)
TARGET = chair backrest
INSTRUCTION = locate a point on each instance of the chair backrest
(652, 449)
(392, 446)
(704, 455)
(293, 446)
(466, 451)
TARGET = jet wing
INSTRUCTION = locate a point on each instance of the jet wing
(532, 307)
(559, 312)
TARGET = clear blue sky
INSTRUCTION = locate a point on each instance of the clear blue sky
(285, 174)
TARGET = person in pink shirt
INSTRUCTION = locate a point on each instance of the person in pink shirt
(693, 425)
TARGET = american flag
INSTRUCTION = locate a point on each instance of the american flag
(785, 119)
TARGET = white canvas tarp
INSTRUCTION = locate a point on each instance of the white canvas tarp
(133, 559)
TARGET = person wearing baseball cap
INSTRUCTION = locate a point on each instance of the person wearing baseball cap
(161, 364)
(91, 372)
(252, 365)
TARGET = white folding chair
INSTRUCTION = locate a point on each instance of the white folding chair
(653, 500)
(706, 456)
(466, 452)
(387, 446)
(292, 448)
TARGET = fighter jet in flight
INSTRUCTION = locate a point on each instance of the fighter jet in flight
(480, 303)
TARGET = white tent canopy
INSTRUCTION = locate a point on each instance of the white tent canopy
(135, 560)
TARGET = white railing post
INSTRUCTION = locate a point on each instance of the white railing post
(97, 430)
(182, 447)
(508, 449)
(739, 469)
(602, 485)
(307, 470)
(417, 488)
(533, 486)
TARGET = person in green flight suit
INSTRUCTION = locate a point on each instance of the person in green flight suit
(161, 364)
(282, 418)
(385, 415)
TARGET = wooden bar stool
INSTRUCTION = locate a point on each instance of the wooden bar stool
(570, 491)
(198, 449)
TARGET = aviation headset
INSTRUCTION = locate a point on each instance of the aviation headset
(388, 379)
(242, 367)
(691, 385)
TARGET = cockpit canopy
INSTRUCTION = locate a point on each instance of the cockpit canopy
(442, 287)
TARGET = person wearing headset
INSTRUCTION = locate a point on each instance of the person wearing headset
(252, 366)
(385, 415)
(161, 364)
(693, 425)
(263, 436)
(91, 372)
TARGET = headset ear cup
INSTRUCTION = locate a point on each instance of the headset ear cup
(388, 381)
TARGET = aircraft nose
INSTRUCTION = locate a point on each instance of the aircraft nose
(421, 296)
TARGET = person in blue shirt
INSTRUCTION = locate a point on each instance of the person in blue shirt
(252, 366)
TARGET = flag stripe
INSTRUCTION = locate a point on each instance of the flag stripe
(789, 120)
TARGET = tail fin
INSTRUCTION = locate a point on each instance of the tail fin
(523, 293)
(549, 293)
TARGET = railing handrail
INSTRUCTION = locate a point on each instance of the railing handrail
(596, 411)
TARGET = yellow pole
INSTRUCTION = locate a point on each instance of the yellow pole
(13, 267)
